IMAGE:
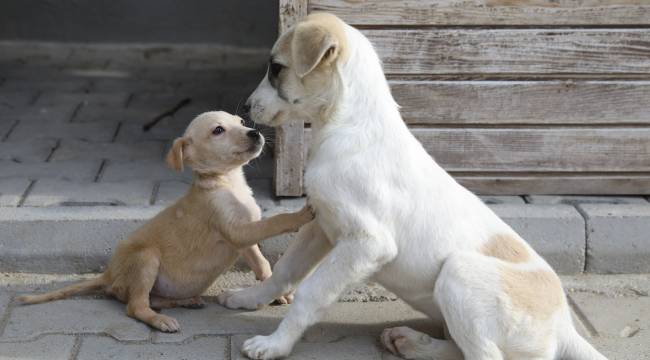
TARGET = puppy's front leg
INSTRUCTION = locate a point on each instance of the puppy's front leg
(351, 261)
(243, 234)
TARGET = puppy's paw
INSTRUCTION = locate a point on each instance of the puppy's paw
(165, 323)
(406, 342)
(302, 217)
(265, 347)
(284, 300)
(239, 299)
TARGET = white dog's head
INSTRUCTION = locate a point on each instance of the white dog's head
(303, 78)
(215, 142)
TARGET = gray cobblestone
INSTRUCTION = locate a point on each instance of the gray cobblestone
(46, 348)
(208, 348)
(166, 129)
(548, 199)
(11, 100)
(77, 170)
(69, 84)
(112, 99)
(29, 150)
(27, 322)
(40, 115)
(557, 232)
(49, 192)
(134, 170)
(72, 149)
(12, 190)
(618, 238)
(6, 125)
(348, 348)
(106, 114)
(170, 191)
(65, 239)
(26, 130)
(342, 319)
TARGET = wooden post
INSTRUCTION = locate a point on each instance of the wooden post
(289, 146)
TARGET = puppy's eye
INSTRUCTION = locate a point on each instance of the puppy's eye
(218, 130)
(242, 121)
(275, 68)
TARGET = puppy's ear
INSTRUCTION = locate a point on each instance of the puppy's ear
(312, 44)
(175, 155)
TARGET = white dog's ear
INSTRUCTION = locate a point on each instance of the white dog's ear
(312, 45)
(175, 156)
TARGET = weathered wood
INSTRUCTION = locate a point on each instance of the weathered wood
(523, 102)
(289, 160)
(513, 51)
(564, 184)
(487, 12)
(536, 149)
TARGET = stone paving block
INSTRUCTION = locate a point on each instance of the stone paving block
(493, 200)
(618, 238)
(138, 170)
(4, 302)
(27, 322)
(78, 170)
(622, 312)
(72, 149)
(348, 348)
(130, 84)
(108, 114)
(65, 239)
(27, 150)
(112, 99)
(10, 100)
(262, 167)
(93, 132)
(342, 319)
(166, 129)
(557, 232)
(46, 348)
(263, 193)
(208, 348)
(52, 192)
(12, 190)
(63, 84)
(6, 125)
(635, 348)
(575, 199)
(41, 115)
(170, 191)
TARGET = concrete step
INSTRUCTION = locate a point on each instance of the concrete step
(598, 238)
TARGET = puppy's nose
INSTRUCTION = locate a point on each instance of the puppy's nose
(253, 134)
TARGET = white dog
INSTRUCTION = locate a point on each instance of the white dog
(385, 210)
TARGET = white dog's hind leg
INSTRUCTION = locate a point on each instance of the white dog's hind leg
(302, 256)
(411, 344)
(351, 261)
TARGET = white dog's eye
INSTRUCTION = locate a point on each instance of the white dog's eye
(275, 68)
(218, 130)
(241, 121)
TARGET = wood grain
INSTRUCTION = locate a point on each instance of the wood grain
(289, 160)
(524, 102)
(536, 149)
(487, 12)
(561, 184)
(512, 51)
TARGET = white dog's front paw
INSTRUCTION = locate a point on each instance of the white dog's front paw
(265, 347)
(239, 299)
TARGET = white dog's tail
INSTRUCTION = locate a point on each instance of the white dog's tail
(575, 347)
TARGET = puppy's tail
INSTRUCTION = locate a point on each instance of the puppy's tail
(81, 288)
(575, 347)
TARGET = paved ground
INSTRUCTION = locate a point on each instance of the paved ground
(611, 310)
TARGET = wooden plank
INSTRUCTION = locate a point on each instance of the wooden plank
(513, 51)
(289, 160)
(523, 102)
(487, 12)
(560, 184)
(536, 149)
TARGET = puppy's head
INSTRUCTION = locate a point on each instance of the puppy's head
(215, 142)
(302, 78)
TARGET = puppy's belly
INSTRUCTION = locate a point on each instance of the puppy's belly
(167, 288)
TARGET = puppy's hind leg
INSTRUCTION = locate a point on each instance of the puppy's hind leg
(141, 278)
(158, 302)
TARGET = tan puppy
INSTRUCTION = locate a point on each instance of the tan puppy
(177, 255)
